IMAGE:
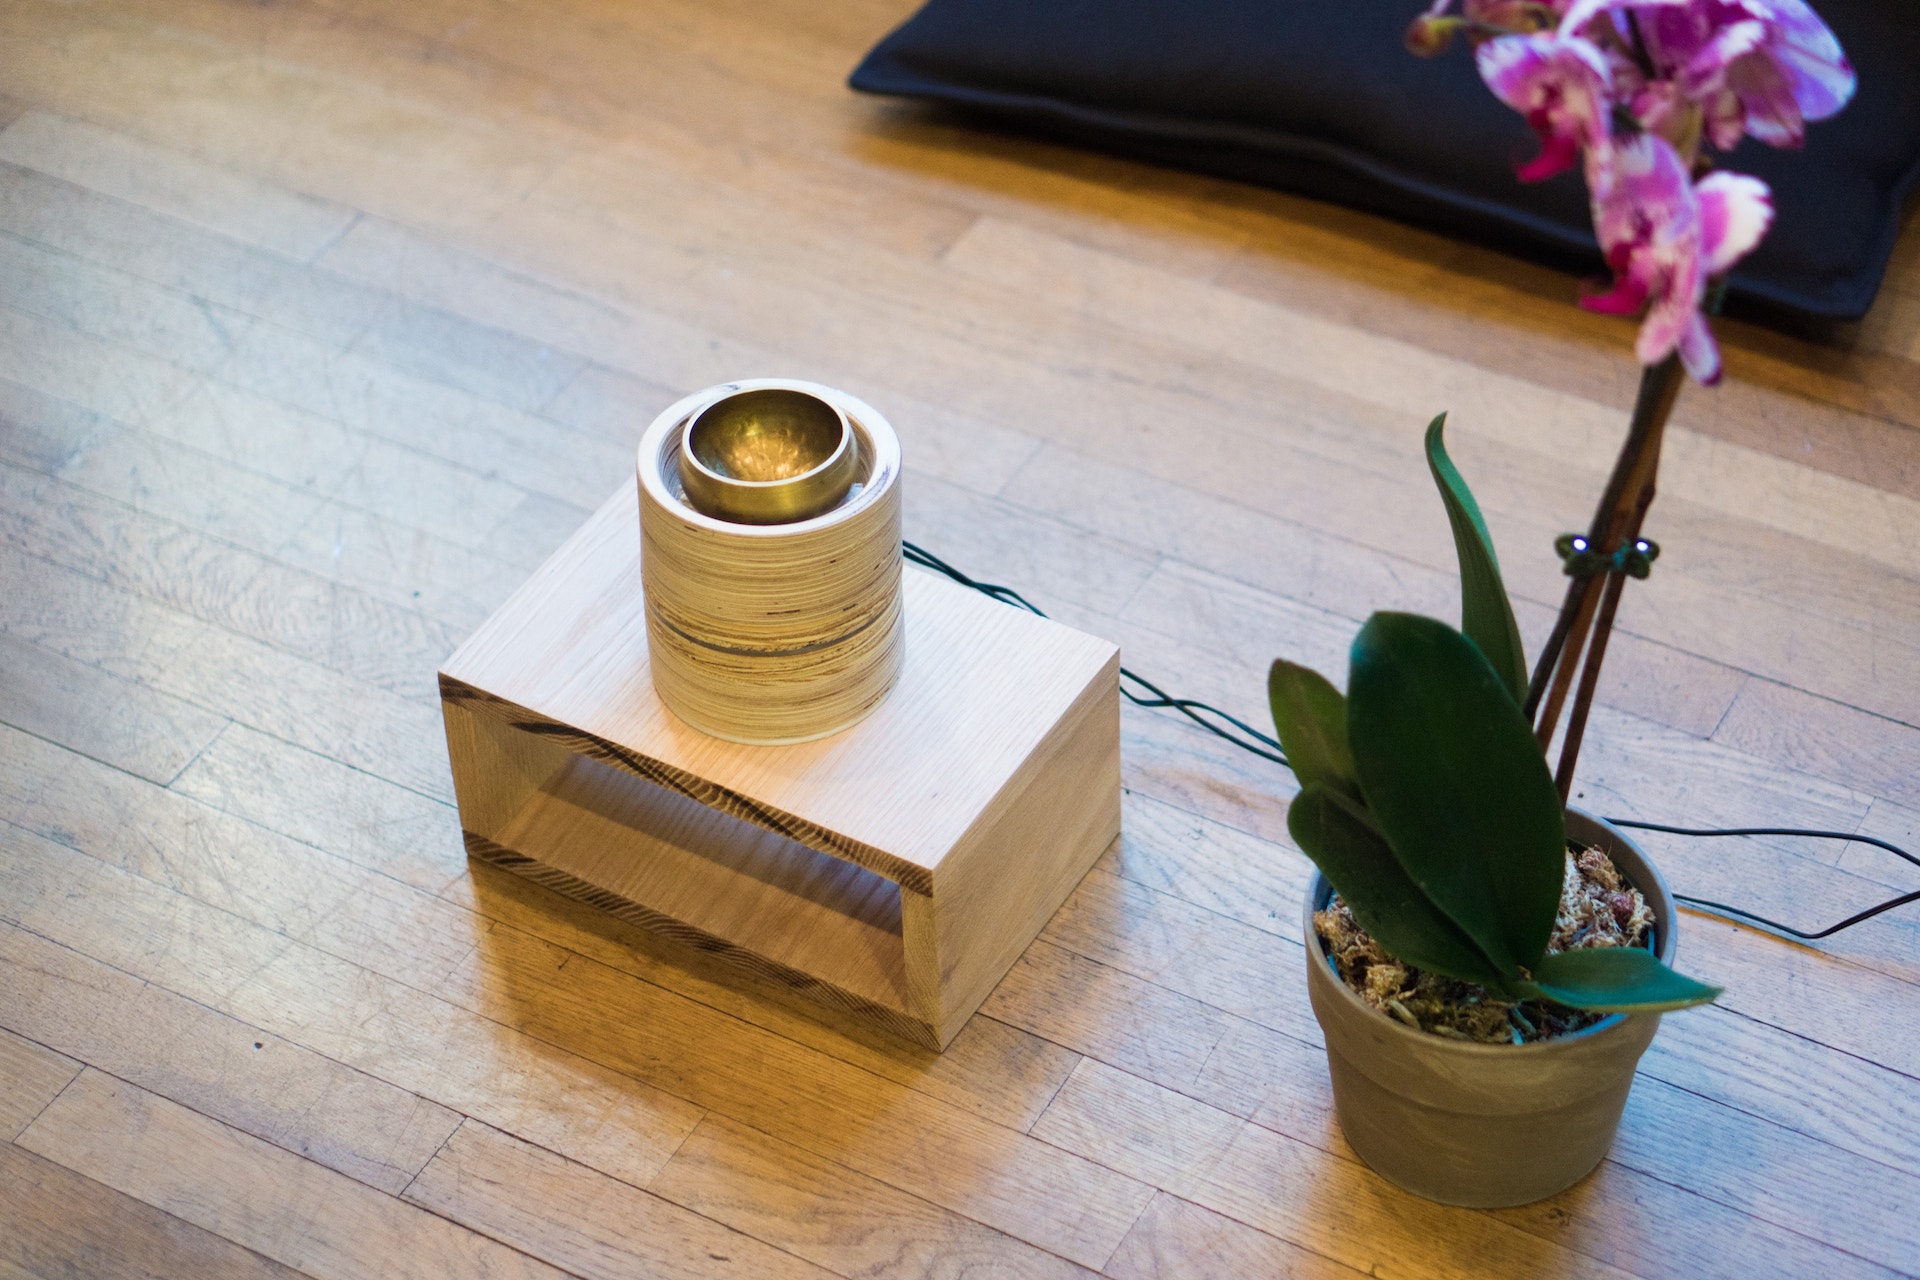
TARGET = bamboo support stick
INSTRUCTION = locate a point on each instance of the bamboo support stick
(1578, 644)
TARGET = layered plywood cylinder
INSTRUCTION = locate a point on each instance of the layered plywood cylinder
(775, 633)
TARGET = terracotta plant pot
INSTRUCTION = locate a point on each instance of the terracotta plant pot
(1484, 1125)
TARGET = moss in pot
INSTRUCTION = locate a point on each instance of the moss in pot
(1486, 986)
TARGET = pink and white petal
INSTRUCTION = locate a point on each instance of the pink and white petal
(1706, 70)
(1724, 119)
(1628, 295)
(1514, 68)
(1581, 12)
(1558, 153)
(1735, 213)
(1699, 353)
(1642, 193)
(1808, 54)
(1669, 319)
(1822, 83)
(1529, 72)
(1767, 94)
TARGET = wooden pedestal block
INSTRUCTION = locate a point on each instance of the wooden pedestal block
(892, 872)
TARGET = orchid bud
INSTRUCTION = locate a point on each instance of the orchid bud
(1430, 35)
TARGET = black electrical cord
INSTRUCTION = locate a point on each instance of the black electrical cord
(1268, 748)
(1262, 745)
(1721, 908)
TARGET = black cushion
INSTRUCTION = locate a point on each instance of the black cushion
(1319, 97)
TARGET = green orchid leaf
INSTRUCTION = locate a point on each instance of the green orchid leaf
(1336, 833)
(1615, 980)
(1456, 783)
(1486, 615)
(1311, 716)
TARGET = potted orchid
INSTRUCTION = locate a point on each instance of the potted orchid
(1488, 964)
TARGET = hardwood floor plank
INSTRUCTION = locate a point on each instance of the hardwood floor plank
(250, 1079)
(298, 524)
(1151, 1133)
(841, 1220)
(1810, 1188)
(54, 1223)
(125, 725)
(990, 1069)
(1173, 200)
(1645, 1225)
(1107, 1014)
(31, 1075)
(207, 194)
(73, 321)
(231, 865)
(910, 1141)
(228, 674)
(1826, 739)
(353, 814)
(393, 648)
(383, 1028)
(1175, 1238)
(592, 1225)
(1343, 1210)
(1243, 971)
(1898, 825)
(162, 249)
(253, 1193)
(640, 342)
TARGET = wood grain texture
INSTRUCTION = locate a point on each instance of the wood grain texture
(251, 1079)
(31, 1076)
(324, 323)
(820, 1210)
(253, 1193)
(586, 1222)
(54, 1223)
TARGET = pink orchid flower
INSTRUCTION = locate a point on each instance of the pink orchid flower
(1563, 85)
(1760, 67)
(1664, 236)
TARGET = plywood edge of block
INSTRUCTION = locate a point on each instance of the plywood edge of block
(909, 876)
(1063, 811)
(687, 943)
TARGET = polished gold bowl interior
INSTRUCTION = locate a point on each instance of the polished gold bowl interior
(769, 456)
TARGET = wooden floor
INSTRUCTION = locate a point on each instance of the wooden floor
(323, 321)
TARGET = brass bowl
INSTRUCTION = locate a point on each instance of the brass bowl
(771, 456)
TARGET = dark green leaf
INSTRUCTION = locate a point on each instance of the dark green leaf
(1615, 980)
(1311, 716)
(1336, 833)
(1485, 613)
(1456, 783)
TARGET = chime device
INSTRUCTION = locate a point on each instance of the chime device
(770, 558)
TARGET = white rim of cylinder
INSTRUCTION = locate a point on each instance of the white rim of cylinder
(772, 633)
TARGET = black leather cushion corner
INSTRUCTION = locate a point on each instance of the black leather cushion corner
(1319, 97)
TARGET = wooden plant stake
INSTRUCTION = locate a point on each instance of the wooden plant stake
(1599, 564)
